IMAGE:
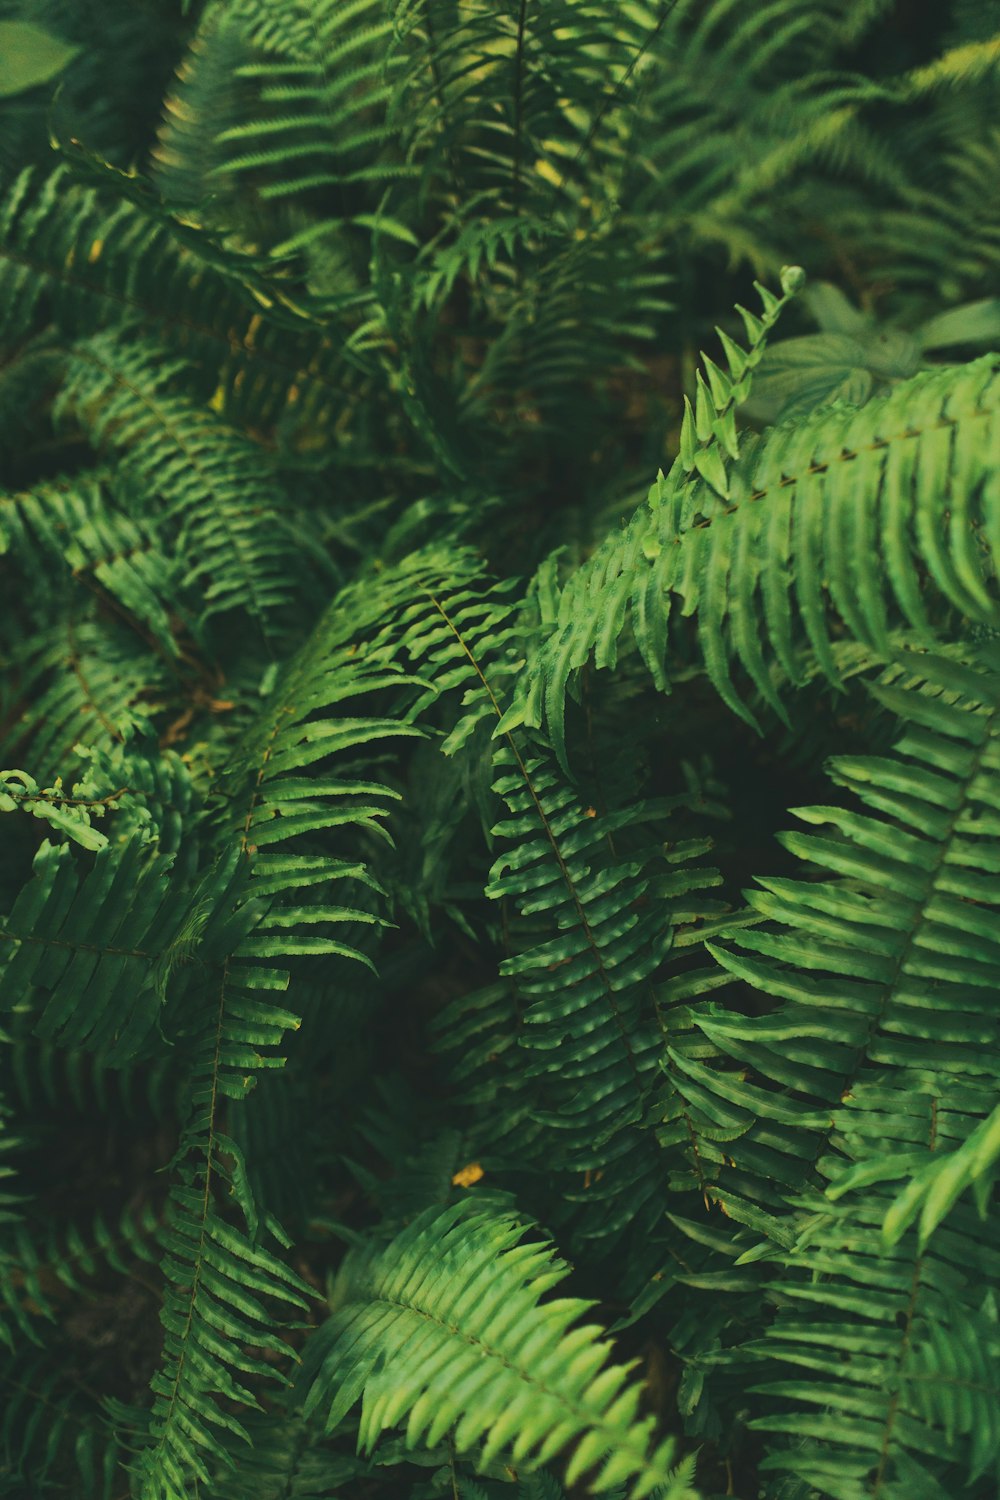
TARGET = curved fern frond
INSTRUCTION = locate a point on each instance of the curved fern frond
(231, 534)
(284, 790)
(93, 259)
(837, 518)
(72, 527)
(852, 960)
(453, 1306)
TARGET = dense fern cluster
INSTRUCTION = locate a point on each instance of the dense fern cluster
(428, 1065)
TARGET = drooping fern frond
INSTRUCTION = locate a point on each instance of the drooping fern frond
(879, 1052)
(217, 1274)
(217, 1270)
(850, 961)
(567, 1050)
(507, 92)
(417, 1348)
(284, 788)
(94, 258)
(74, 528)
(227, 518)
(205, 100)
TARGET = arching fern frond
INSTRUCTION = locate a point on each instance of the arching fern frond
(838, 518)
(231, 535)
(453, 1306)
(295, 778)
(864, 1366)
(92, 258)
(73, 528)
(851, 960)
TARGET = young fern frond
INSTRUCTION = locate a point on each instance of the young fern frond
(454, 1304)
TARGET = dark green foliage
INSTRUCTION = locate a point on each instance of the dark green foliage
(411, 649)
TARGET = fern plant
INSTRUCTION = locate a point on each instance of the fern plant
(428, 1065)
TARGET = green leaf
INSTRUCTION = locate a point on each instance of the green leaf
(30, 55)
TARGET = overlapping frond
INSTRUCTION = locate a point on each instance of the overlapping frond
(75, 1452)
(869, 1368)
(452, 1309)
(96, 258)
(89, 942)
(888, 962)
(318, 122)
(879, 1052)
(72, 530)
(231, 535)
(833, 522)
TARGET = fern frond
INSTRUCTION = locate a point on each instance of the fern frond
(92, 259)
(472, 1317)
(231, 534)
(852, 959)
(833, 519)
(34, 1256)
(937, 1186)
(72, 527)
(77, 682)
(281, 793)
(216, 1275)
(74, 1453)
(87, 941)
(875, 1344)
(218, 1270)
